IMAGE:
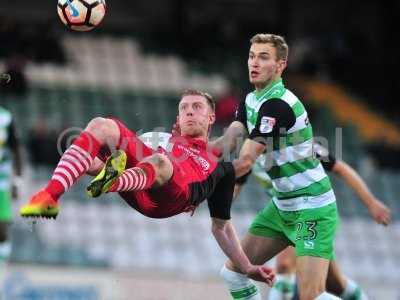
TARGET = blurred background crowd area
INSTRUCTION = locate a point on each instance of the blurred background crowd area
(134, 67)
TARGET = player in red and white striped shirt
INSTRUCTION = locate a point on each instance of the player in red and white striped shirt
(158, 184)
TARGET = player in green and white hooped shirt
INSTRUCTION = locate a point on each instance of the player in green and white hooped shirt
(303, 211)
(337, 283)
(8, 147)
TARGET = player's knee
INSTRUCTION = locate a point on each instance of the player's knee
(102, 128)
(98, 124)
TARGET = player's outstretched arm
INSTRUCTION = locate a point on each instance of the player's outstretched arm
(378, 211)
(225, 234)
(232, 138)
(248, 155)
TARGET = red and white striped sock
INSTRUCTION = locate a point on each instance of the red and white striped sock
(75, 161)
(138, 178)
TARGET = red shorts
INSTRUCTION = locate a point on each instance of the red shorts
(166, 201)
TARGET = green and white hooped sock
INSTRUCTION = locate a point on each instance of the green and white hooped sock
(283, 288)
(353, 291)
(240, 287)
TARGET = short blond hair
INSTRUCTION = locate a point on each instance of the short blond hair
(207, 96)
(277, 41)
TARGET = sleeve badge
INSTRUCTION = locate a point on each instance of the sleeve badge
(267, 124)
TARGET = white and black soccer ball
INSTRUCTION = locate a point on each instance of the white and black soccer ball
(81, 15)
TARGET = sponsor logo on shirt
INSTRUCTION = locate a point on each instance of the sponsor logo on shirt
(205, 165)
(195, 150)
(267, 124)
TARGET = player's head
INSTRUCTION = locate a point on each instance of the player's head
(196, 113)
(267, 58)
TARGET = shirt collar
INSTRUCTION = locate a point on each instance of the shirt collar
(268, 88)
(198, 143)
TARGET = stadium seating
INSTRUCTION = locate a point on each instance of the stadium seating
(63, 107)
(119, 63)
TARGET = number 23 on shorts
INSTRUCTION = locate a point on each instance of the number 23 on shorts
(306, 230)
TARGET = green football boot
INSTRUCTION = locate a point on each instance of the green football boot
(114, 167)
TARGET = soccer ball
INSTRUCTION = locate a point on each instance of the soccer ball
(81, 15)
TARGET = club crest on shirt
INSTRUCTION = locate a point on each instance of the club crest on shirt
(267, 124)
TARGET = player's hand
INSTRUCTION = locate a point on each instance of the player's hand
(379, 212)
(262, 273)
(176, 130)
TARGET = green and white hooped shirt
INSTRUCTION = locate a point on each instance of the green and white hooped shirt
(275, 117)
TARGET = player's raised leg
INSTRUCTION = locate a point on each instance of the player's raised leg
(75, 161)
(153, 171)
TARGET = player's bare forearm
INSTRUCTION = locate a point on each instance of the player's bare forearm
(354, 181)
(227, 239)
(250, 151)
(232, 138)
(242, 165)
(379, 212)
